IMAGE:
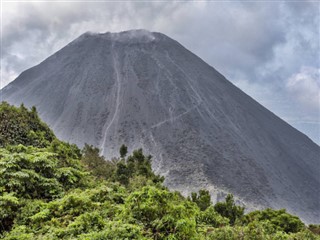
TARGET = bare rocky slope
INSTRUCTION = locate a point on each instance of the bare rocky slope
(146, 90)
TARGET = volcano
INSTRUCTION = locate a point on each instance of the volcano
(147, 91)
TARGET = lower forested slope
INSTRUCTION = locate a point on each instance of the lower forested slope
(50, 189)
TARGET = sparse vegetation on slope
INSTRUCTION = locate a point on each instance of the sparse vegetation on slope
(51, 190)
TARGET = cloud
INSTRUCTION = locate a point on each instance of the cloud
(236, 38)
(305, 86)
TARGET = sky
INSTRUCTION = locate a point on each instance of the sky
(269, 49)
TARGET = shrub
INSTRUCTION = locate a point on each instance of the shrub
(229, 209)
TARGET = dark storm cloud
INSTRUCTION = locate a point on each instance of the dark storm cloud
(268, 49)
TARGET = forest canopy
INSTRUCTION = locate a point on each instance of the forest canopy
(50, 189)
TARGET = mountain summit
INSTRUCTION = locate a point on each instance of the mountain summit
(146, 90)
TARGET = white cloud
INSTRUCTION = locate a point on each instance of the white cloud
(305, 86)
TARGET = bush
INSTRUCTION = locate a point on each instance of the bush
(34, 173)
(96, 163)
(211, 218)
(314, 228)
(229, 209)
(280, 219)
(164, 214)
(202, 199)
(116, 230)
(23, 126)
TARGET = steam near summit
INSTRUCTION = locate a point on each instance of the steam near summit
(146, 90)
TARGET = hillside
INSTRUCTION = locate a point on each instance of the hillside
(55, 191)
(146, 90)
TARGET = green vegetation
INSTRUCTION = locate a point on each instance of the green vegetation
(21, 126)
(50, 189)
(123, 151)
(229, 209)
(202, 199)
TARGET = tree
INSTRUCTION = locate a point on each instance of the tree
(211, 218)
(164, 214)
(203, 199)
(123, 151)
(280, 219)
(229, 209)
(96, 163)
(138, 155)
(18, 125)
(122, 173)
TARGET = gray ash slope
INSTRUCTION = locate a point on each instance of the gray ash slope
(146, 90)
